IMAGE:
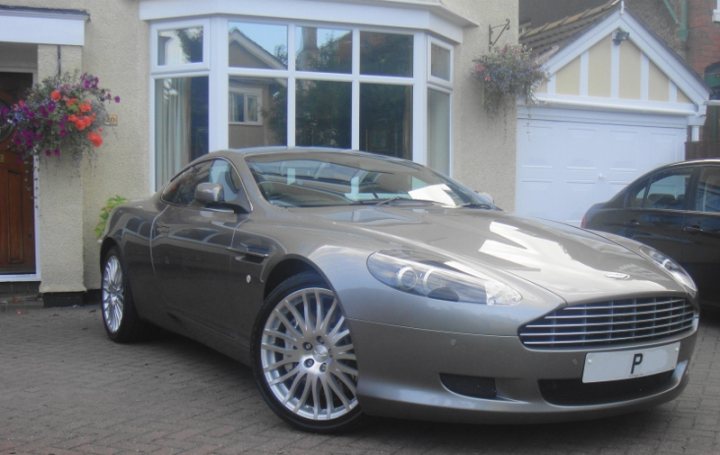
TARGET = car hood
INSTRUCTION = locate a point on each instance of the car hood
(570, 262)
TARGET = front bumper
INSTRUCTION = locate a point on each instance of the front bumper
(404, 371)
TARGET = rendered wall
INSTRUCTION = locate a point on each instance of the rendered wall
(484, 145)
(115, 50)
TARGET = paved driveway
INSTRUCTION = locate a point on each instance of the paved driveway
(66, 389)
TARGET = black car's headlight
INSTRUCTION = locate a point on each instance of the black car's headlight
(434, 278)
(675, 269)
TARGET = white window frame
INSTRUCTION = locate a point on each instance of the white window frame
(434, 79)
(155, 30)
(216, 67)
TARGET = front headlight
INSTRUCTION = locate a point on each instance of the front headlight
(675, 269)
(434, 278)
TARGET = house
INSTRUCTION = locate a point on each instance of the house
(618, 102)
(689, 27)
(195, 76)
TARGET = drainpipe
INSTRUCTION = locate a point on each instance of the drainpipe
(682, 21)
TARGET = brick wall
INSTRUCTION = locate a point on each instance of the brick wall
(704, 38)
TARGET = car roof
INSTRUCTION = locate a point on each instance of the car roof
(259, 151)
(698, 162)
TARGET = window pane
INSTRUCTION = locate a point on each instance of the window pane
(257, 45)
(386, 119)
(181, 124)
(667, 191)
(636, 201)
(708, 191)
(180, 46)
(438, 131)
(323, 112)
(258, 112)
(325, 50)
(182, 189)
(440, 62)
(386, 54)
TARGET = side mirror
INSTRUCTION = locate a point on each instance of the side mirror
(209, 193)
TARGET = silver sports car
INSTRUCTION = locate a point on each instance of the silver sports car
(357, 284)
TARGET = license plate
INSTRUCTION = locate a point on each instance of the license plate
(618, 365)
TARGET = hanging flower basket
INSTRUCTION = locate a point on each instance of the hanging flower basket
(506, 73)
(61, 114)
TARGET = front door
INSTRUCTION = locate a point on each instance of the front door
(17, 218)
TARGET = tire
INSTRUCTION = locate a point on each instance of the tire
(304, 365)
(120, 319)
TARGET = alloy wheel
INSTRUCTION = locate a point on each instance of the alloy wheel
(307, 356)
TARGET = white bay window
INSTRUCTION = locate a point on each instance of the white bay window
(268, 80)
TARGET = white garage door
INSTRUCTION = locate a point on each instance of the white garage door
(564, 167)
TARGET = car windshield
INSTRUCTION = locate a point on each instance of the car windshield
(313, 179)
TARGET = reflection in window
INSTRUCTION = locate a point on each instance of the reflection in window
(386, 113)
(438, 131)
(180, 46)
(324, 50)
(181, 124)
(323, 113)
(440, 62)
(258, 111)
(386, 54)
(257, 45)
(668, 191)
(708, 191)
(244, 106)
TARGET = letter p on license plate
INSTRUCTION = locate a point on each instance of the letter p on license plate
(619, 365)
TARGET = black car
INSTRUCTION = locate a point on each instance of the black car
(676, 209)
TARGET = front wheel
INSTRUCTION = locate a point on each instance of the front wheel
(304, 359)
(120, 319)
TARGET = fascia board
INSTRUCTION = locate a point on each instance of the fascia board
(42, 28)
(404, 15)
(647, 43)
(667, 61)
(583, 43)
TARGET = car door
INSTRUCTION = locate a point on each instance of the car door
(191, 248)
(702, 227)
(655, 210)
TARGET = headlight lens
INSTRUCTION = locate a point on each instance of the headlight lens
(675, 269)
(433, 278)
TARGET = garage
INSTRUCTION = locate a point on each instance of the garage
(566, 162)
(617, 103)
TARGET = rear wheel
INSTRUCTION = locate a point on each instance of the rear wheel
(304, 358)
(120, 319)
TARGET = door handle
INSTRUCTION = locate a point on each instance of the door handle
(251, 250)
(692, 229)
(633, 223)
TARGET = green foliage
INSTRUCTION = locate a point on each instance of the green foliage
(105, 213)
(508, 72)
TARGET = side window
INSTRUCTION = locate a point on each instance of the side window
(181, 190)
(223, 173)
(707, 198)
(637, 196)
(668, 190)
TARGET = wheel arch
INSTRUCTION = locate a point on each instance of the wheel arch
(288, 267)
(107, 244)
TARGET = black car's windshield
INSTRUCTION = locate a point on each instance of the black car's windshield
(312, 179)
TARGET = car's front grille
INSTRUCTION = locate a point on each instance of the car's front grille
(612, 322)
(573, 392)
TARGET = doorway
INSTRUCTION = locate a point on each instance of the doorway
(17, 203)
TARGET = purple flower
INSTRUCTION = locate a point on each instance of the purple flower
(117, 99)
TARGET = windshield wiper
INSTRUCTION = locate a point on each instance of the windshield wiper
(476, 205)
(404, 200)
